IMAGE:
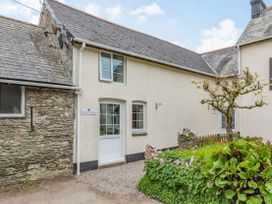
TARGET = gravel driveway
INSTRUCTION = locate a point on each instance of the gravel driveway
(114, 185)
(119, 181)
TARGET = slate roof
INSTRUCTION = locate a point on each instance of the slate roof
(223, 61)
(93, 29)
(26, 54)
(258, 29)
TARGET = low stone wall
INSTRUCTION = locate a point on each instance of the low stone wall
(45, 152)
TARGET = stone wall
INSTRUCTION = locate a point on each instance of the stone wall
(46, 151)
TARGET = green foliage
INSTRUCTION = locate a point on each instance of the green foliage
(242, 171)
(238, 172)
(172, 183)
(200, 154)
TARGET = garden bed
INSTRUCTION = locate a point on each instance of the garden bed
(234, 172)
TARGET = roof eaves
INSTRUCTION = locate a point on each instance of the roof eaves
(254, 41)
(98, 45)
(37, 84)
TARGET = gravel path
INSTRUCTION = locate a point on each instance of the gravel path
(119, 182)
(114, 185)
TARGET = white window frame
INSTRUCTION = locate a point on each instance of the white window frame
(143, 130)
(111, 62)
(17, 115)
(221, 121)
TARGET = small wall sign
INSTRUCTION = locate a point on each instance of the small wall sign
(87, 111)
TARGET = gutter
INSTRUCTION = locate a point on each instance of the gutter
(36, 84)
(78, 106)
(253, 42)
(98, 45)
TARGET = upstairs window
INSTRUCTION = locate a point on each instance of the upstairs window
(111, 67)
(11, 100)
(138, 117)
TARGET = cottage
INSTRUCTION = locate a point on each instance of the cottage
(135, 89)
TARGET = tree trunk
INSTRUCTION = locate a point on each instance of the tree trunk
(229, 131)
(229, 128)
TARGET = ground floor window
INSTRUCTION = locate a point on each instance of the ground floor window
(224, 121)
(138, 117)
(11, 100)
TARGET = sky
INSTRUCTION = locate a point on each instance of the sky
(199, 25)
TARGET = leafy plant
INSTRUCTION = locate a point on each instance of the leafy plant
(237, 172)
(241, 171)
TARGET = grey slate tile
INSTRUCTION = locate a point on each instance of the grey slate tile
(26, 54)
(258, 29)
(91, 28)
(223, 61)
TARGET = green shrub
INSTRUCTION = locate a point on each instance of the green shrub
(238, 172)
(242, 171)
(172, 183)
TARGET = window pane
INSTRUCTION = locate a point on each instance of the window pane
(138, 116)
(140, 124)
(118, 77)
(138, 108)
(110, 130)
(134, 125)
(116, 129)
(103, 130)
(224, 121)
(10, 99)
(110, 108)
(103, 119)
(118, 68)
(116, 109)
(106, 66)
(103, 108)
(109, 119)
(134, 116)
(116, 119)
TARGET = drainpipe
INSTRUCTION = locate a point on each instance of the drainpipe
(241, 98)
(78, 106)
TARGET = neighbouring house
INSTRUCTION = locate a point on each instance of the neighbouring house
(37, 105)
(255, 52)
(79, 90)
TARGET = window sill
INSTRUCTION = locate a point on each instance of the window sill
(136, 134)
(11, 116)
(111, 82)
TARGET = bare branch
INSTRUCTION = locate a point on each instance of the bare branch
(224, 93)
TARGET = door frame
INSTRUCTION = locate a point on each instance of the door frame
(122, 129)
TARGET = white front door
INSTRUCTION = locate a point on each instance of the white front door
(111, 133)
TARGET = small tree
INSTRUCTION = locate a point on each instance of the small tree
(224, 93)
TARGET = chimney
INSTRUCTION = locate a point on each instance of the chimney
(257, 7)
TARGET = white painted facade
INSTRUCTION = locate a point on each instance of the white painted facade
(257, 122)
(177, 99)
